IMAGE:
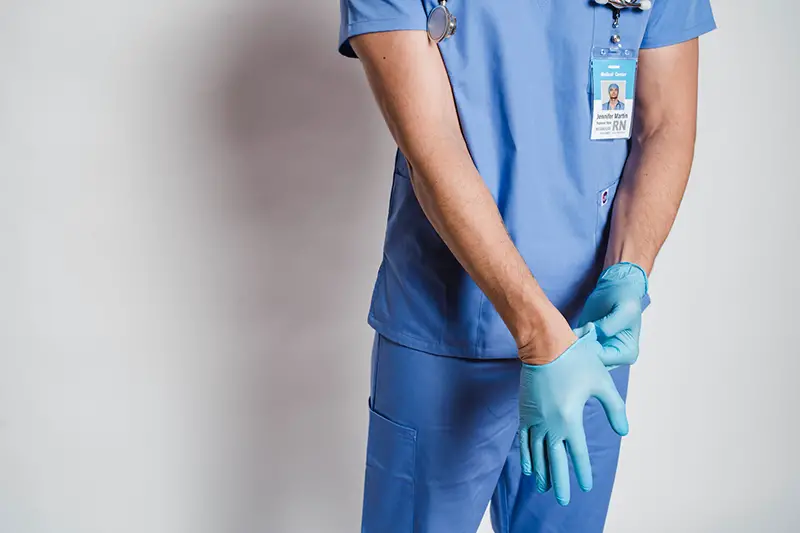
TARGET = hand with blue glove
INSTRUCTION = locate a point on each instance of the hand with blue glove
(551, 403)
(615, 307)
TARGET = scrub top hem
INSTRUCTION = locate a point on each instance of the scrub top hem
(407, 23)
(444, 349)
(453, 350)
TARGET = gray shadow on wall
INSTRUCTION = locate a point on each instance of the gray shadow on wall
(291, 119)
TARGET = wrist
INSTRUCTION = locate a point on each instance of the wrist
(581, 335)
(625, 272)
(531, 320)
(548, 336)
(627, 253)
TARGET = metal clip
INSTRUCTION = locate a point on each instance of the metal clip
(644, 5)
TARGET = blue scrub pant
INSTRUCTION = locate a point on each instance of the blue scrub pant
(443, 443)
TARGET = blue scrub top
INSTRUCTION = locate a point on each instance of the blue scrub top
(553, 185)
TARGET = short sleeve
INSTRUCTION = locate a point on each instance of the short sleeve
(676, 21)
(370, 16)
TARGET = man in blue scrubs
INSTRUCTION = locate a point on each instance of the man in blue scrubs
(508, 303)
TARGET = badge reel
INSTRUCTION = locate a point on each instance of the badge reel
(644, 5)
(441, 23)
(613, 79)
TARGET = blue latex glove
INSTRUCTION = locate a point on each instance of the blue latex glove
(615, 307)
(551, 402)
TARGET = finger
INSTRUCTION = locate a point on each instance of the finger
(525, 451)
(579, 453)
(611, 354)
(614, 406)
(540, 467)
(559, 471)
(612, 323)
(621, 349)
(622, 316)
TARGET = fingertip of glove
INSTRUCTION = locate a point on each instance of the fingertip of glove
(563, 502)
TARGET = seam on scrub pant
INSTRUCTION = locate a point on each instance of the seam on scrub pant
(373, 387)
(503, 489)
(399, 460)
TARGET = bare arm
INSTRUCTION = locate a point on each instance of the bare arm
(661, 156)
(410, 84)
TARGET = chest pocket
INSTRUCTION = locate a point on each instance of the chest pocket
(632, 25)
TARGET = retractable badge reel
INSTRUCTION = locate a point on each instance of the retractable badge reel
(441, 23)
(613, 77)
(644, 5)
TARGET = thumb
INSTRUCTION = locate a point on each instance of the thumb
(621, 349)
(614, 406)
(624, 314)
(611, 354)
(612, 323)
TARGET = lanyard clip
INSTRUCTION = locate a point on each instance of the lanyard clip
(644, 5)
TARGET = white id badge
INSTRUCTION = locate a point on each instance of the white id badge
(613, 91)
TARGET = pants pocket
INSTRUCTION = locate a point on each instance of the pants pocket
(389, 481)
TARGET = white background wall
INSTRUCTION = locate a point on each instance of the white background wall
(192, 204)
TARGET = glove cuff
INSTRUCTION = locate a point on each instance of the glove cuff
(622, 272)
(587, 333)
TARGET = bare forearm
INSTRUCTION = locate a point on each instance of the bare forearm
(661, 156)
(464, 213)
(649, 196)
